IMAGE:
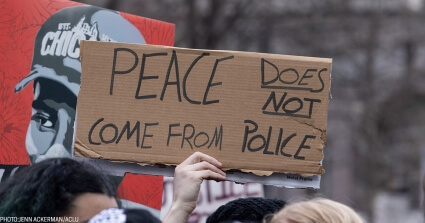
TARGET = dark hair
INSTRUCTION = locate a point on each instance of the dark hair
(246, 210)
(48, 188)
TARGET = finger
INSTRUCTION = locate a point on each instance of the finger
(205, 166)
(198, 157)
(210, 175)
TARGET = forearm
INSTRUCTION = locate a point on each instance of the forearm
(178, 213)
(188, 177)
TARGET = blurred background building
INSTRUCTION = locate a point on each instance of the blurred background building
(375, 151)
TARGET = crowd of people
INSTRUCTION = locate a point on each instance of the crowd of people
(64, 187)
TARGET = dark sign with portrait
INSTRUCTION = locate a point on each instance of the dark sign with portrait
(40, 80)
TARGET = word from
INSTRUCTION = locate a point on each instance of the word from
(181, 85)
(290, 106)
(288, 77)
(199, 139)
(39, 219)
(188, 136)
(251, 139)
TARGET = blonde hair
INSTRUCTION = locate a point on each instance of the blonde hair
(318, 210)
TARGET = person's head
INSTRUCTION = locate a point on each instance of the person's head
(56, 187)
(56, 70)
(318, 210)
(246, 210)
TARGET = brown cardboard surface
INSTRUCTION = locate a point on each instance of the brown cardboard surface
(254, 112)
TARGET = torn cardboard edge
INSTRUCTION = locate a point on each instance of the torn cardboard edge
(274, 179)
(87, 152)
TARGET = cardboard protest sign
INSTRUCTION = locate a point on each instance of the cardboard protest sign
(259, 113)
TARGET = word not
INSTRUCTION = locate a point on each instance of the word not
(181, 85)
(288, 77)
(193, 138)
(290, 106)
(250, 138)
(109, 133)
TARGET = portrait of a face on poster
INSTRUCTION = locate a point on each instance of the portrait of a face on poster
(40, 78)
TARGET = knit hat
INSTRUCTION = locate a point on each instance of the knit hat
(246, 210)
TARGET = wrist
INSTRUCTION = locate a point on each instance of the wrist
(178, 213)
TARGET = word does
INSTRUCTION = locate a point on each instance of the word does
(291, 78)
